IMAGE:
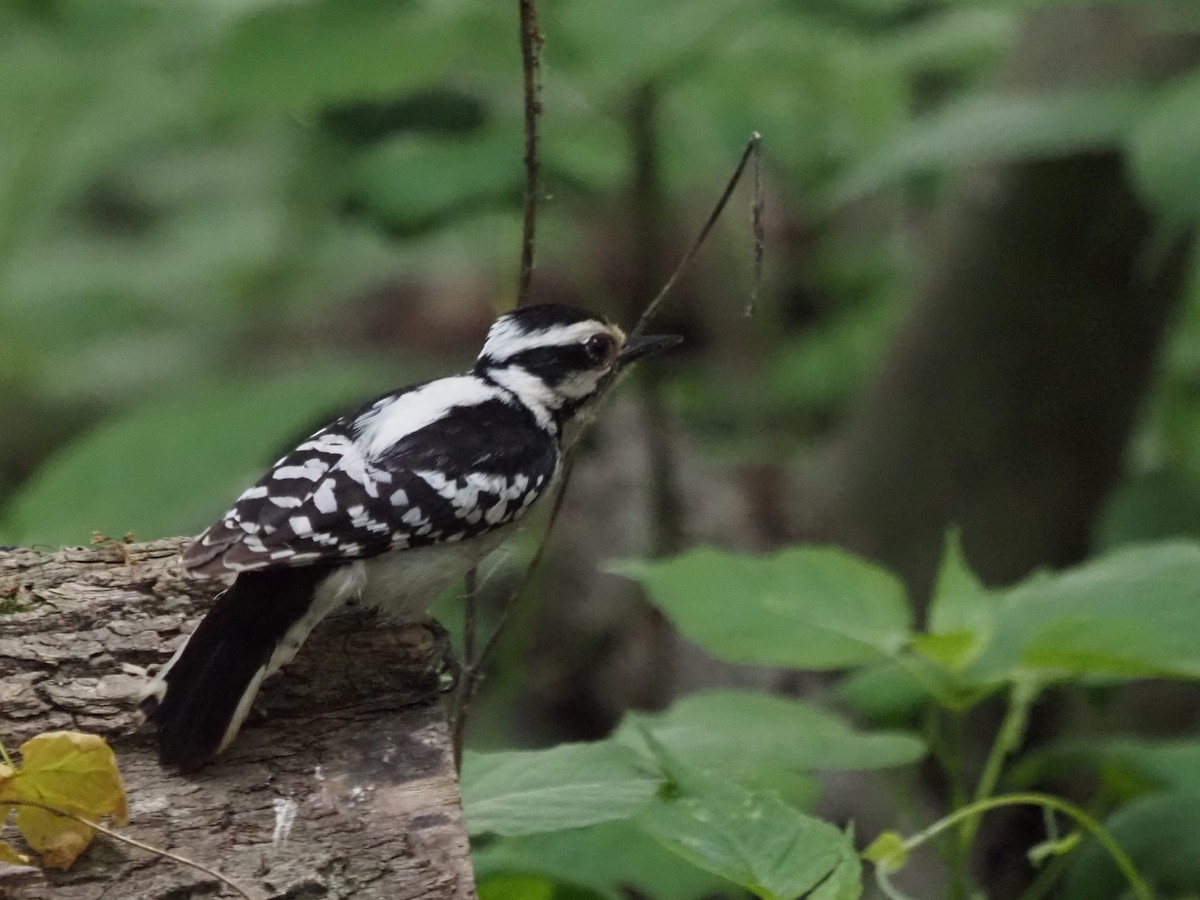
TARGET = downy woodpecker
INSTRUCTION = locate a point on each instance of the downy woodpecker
(390, 504)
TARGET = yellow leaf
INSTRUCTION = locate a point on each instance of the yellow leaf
(73, 772)
(11, 856)
(68, 771)
(57, 839)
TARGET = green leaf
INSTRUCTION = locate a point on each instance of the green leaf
(887, 851)
(960, 601)
(806, 607)
(416, 180)
(845, 881)
(170, 466)
(526, 791)
(1132, 614)
(302, 55)
(1164, 153)
(953, 651)
(605, 858)
(535, 887)
(950, 39)
(1127, 767)
(742, 734)
(516, 887)
(751, 838)
(596, 38)
(885, 694)
(1149, 507)
(1161, 834)
(997, 127)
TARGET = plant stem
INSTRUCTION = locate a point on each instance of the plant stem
(1008, 739)
(956, 853)
(7, 759)
(132, 842)
(1047, 801)
(1046, 879)
(886, 887)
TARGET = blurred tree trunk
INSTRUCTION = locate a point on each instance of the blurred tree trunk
(1008, 396)
(1006, 400)
(347, 791)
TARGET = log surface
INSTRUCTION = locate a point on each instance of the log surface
(343, 787)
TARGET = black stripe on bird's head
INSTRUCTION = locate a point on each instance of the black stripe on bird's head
(559, 358)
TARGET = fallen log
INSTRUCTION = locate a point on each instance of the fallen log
(344, 786)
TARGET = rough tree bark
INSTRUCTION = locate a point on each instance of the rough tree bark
(346, 789)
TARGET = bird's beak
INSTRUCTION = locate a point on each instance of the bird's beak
(643, 345)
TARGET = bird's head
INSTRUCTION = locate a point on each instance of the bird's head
(559, 360)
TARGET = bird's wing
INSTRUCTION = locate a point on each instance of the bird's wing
(336, 496)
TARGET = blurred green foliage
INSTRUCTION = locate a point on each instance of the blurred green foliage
(188, 191)
(225, 430)
(191, 189)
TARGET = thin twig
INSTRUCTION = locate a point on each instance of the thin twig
(463, 688)
(472, 668)
(472, 587)
(510, 602)
(756, 224)
(472, 665)
(753, 148)
(132, 842)
(472, 671)
(531, 46)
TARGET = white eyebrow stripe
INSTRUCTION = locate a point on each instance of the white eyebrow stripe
(506, 340)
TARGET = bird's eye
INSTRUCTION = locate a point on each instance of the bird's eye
(598, 347)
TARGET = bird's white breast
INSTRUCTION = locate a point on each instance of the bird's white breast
(403, 583)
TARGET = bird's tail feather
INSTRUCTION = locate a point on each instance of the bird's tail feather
(201, 697)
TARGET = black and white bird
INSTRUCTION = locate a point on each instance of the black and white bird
(388, 504)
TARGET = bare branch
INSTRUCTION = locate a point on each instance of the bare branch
(753, 148)
(472, 666)
(756, 223)
(531, 46)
